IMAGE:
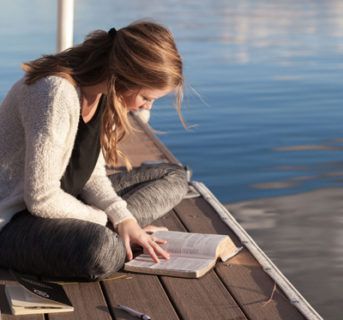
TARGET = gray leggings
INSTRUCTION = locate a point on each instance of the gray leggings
(70, 248)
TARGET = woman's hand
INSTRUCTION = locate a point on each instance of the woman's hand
(130, 231)
(152, 228)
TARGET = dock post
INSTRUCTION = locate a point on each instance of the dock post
(65, 21)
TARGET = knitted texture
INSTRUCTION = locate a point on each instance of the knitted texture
(38, 125)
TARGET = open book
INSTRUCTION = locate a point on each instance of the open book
(191, 254)
(30, 296)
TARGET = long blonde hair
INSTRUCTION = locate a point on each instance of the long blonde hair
(141, 55)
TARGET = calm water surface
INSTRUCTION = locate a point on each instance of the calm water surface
(264, 96)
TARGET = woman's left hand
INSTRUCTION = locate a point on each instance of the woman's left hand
(132, 233)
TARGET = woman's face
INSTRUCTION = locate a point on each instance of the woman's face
(143, 99)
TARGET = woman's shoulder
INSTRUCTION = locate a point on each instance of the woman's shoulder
(53, 90)
(50, 97)
(54, 85)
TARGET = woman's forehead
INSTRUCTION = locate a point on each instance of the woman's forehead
(154, 93)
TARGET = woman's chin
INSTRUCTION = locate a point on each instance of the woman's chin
(143, 114)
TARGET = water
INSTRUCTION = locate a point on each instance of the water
(264, 93)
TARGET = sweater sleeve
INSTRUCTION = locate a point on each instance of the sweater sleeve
(48, 117)
(99, 192)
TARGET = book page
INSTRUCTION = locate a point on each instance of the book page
(176, 263)
(230, 252)
(195, 244)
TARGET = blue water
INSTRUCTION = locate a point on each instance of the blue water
(263, 92)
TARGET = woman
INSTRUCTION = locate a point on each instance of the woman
(58, 127)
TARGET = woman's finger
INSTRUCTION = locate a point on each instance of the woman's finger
(158, 240)
(152, 253)
(160, 250)
(128, 247)
(152, 228)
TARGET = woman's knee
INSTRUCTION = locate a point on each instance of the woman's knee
(177, 178)
(63, 248)
(173, 172)
(106, 254)
(159, 196)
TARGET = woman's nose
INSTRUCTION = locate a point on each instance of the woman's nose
(147, 106)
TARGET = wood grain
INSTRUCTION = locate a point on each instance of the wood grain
(88, 302)
(203, 298)
(245, 279)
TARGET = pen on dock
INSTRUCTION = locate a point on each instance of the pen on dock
(133, 312)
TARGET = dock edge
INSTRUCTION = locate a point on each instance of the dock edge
(268, 266)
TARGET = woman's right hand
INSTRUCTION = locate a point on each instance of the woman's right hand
(130, 231)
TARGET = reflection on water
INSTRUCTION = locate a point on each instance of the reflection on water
(268, 120)
(303, 236)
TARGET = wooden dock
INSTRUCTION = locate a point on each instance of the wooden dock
(239, 288)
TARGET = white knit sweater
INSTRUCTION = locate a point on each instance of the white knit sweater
(38, 125)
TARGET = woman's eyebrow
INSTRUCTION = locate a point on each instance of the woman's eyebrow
(149, 98)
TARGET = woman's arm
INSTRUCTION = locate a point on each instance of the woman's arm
(49, 116)
(100, 193)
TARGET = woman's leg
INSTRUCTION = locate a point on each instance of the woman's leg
(71, 248)
(151, 191)
(60, 248)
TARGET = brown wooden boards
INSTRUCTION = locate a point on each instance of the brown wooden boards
(88, 302)
(143, 293)
(140, 147)
(140, 292)
(252, 288)
(203, 298)
(156, 142)
(173, 298)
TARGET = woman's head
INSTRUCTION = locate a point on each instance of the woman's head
(144, 55)
(138, 63)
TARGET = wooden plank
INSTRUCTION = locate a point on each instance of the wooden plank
(142, 145)
(6, 277)
(139, 152)
(152, 137)
(203, 298)
(88, 302)
(253, 289)
(142, 292)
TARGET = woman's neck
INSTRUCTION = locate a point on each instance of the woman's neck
(90, 96)
(91, 93)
